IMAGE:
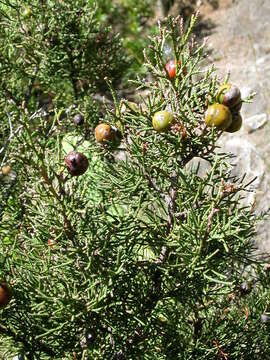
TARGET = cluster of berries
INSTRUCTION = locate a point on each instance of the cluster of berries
(224, 114)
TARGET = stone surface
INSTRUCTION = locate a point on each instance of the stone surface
(256, 122)
(245, 156)
(240, 44)
(202, 165)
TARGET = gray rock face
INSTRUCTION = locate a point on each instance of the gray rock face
(240, 45)
(256, 122)
(245, 156)
(202, 165)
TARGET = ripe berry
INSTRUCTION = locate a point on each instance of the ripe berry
(236, 123)
(6, 170)
(45, 101)
(119, 356)
(236, 108)
(171, 68)
(219, 116)
(78, 119)
(104, 133)
(162, 120)
(37, 89)
(5, 294)
(229, 95)
(76, 162)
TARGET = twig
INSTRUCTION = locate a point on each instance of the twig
(171, 210)
(11, 136)
(67, 224)
(10, 123)
(11, 96)
(153, 184)
(209, 225)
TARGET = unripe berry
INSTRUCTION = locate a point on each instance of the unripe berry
(162, 120)
(51, 243)
(219, 116)
(77, 163)
(27, 12)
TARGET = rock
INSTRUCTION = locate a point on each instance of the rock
(242, 36)
(245, 156)
(261, 60)
(245, 91)
(258, 105)
(255, 122)
(202, 165)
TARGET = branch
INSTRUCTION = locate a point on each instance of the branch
(171, 215)
(72, 71)
(45, 349)
(154, 295)
(11, 96)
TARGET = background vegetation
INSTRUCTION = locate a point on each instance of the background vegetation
(141, 257)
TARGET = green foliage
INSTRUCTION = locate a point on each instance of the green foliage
(60, 45)
(131, 19)
(139, 258)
